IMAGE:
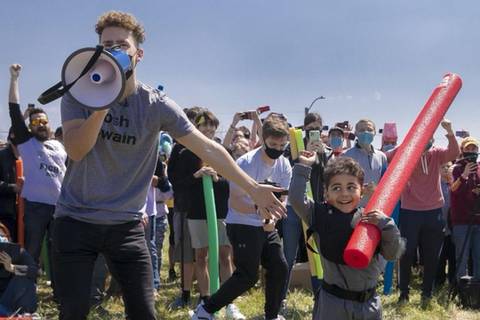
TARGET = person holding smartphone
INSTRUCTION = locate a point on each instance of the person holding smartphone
(234, 132)
(465, 213)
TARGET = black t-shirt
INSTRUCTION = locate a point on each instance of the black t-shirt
(191, 188)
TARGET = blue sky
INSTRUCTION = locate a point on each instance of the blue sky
(373, 59)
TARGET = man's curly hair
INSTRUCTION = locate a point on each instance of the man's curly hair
(121, 20)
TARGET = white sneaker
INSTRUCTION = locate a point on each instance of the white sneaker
(201, 314)
(233, 313)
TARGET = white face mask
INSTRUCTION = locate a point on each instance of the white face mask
(3, 239)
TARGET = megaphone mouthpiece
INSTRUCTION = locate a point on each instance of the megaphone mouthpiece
(102, 72)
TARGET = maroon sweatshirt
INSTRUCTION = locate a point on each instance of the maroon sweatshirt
(463, 199)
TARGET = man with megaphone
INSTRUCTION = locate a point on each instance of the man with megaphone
(113, 153)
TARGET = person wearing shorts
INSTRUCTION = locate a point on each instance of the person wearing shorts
(192, 171)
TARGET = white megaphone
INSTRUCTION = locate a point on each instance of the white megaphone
(94, 77)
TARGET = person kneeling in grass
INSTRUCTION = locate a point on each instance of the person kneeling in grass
(345, 293)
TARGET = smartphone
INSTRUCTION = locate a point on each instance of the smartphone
(31, 105)
(462, 134)
(263, 109)
(314, 136)
(344, 125)
(247, 115)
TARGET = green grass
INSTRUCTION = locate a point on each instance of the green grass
(299, 305)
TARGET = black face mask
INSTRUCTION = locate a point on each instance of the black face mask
(273, 153)
(470, 156)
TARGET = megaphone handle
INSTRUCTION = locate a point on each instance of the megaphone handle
(56, 91)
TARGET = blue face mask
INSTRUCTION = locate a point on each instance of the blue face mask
(336, 142)
(365, 138)
(388, 147)
(3, 239)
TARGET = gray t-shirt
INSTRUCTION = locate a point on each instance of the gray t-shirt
(43, 168)
(109, 185)
(253, 165)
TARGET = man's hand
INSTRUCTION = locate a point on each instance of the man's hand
(154, 181)
(236, 118)
(15, 71)
(315, 146)
(269, 207)
(447, 125)
(6, 260)
(144, 220)
(373, 217)
(307, 158)
(19, 184)
(470, 167)
(270, 226)
(368, 189)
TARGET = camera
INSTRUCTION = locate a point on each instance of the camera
(276, 194)
(246, 115)
(344, 125)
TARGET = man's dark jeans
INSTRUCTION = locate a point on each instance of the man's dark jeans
(38, 222)
(76, 247)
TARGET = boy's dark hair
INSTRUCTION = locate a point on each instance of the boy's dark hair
(206, 117)
(36, 111)
(312, 117)
(343, 165)
(274, 126)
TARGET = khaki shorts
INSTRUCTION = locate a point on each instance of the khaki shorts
(199, 233)
(188, 252)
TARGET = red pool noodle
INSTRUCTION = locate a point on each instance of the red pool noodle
(365, 237)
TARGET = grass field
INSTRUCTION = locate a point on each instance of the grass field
(299, 305)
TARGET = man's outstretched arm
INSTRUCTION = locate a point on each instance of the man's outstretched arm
(217, 157)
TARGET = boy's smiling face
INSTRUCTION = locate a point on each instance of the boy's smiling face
(344, 192)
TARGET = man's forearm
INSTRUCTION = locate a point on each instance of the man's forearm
(13, 93)
(217, 157)
(79, 140)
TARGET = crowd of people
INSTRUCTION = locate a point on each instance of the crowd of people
(104, 205)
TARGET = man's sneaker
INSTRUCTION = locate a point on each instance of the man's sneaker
(403, 299)
(233, 313)
(201, 314)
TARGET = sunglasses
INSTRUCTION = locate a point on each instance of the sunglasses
(36, 122)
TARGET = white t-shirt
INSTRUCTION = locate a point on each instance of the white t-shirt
(255, 167)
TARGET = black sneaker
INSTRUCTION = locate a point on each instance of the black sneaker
(172, 276)
(403, 299)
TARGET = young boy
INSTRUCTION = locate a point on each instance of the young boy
(345, 293)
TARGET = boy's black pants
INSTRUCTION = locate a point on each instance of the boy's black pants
(252, 246)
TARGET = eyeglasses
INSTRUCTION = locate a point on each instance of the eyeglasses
(37, 122)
